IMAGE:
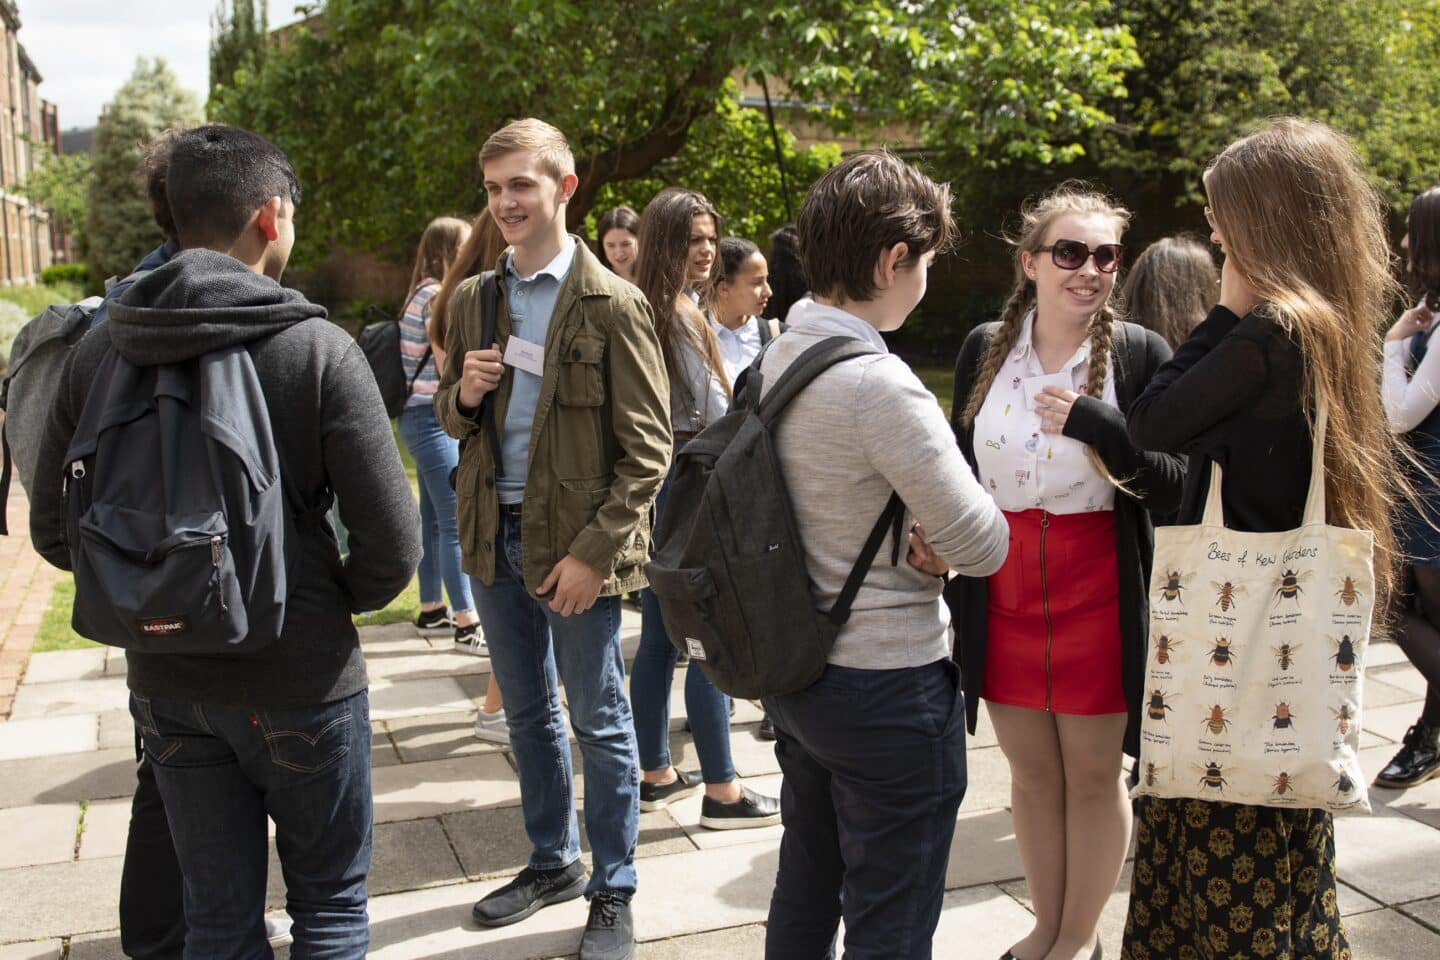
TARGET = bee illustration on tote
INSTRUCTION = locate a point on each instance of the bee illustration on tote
(1288, 586)
(1225, 594)
(1216, 721)
(1344, 655)
(1172, 590)
(1213, 777)
(1285, 653)
(1157, 705)
(1344, 784)
(1164, 646)
(1283, 718)
(1223, 653)
(1343, 716)
(1152, 774)
(1284, 783)
(1347, 593)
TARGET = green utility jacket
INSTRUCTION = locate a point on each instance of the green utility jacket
(600, 443)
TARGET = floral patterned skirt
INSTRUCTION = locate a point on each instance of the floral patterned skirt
(1226, 881)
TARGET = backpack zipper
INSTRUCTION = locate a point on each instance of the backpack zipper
(1045, 606)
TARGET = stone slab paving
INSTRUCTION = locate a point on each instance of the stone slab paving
(449, 828)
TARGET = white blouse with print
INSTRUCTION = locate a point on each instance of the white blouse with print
(1023, 467)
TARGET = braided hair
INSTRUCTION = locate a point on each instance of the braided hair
(1036, 217)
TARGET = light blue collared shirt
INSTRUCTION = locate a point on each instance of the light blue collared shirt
(738, 347)
(531, 301)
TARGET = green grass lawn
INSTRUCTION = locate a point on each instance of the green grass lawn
(34, 299)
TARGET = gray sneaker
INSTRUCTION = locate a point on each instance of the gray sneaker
(277, 931)
(528, 892)
(492, 727)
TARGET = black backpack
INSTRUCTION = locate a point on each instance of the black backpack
(729, 568)
(380, 342)
(178, 527)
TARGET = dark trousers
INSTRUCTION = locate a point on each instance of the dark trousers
(152, 912)
(874, 765)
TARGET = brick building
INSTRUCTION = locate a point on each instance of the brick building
(29, 242)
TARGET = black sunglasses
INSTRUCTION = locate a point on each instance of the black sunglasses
(1072, 254)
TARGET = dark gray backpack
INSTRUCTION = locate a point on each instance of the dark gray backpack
(177, 520)
(729, 568)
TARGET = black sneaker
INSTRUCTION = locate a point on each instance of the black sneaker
(751, 810)
(654, 796)
(1417, 761)
(437, 619)
(610, 931)
(528, 892)
(469, 639)
(767, 728)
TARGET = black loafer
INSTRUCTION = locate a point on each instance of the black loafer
(528, 892)
(1417, 760)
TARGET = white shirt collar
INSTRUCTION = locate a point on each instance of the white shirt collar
(808, 316)
(557, 267)
(1024, 343)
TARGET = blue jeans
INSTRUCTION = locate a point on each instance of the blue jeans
(436, 454)
(654, 670)
(530, 645)
(874, 765)
(220, 771)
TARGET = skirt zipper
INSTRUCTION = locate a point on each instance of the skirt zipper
(1045, 606)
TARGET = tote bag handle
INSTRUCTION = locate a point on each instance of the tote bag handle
(1314, 499)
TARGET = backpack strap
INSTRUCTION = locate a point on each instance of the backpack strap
(489, 326)
(424, 359)
(806, 367)
(891, 519)
(1120, 347)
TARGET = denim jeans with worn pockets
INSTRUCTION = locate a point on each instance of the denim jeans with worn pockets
(436, 454)
(874, 765)
(221, 771)
(530, 645)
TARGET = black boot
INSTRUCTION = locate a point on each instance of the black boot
(1417, 761)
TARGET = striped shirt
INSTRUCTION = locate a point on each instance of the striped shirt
(414, 341)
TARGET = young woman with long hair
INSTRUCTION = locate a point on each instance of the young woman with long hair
(1054, 642)
(1411, 387)
(1304, 288)
(617, 241)
(1171, 286)
(435, 453)
(480, 251)
(674, 240)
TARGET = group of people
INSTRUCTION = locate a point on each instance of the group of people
(552, 387)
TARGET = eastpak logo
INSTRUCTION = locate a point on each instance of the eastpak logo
(164, 626)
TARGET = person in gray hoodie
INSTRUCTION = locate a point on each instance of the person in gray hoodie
(283, 731)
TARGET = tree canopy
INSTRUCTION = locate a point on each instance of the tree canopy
(383, 104)
(120, 228)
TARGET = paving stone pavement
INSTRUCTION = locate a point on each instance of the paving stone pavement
(448, 828)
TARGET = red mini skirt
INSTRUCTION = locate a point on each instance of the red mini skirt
(1053, 640)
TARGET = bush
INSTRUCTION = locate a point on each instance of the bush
(76, 273)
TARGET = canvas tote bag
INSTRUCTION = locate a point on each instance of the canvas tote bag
(1256, 660)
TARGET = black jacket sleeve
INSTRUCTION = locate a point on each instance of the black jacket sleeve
(1155, 479)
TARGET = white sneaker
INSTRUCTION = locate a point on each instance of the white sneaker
(277, 931)
(492, 728)
(469, 639)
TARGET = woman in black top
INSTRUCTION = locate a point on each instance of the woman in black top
(1304, 286)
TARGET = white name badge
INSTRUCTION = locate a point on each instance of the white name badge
(1033, 385)
(524, 355)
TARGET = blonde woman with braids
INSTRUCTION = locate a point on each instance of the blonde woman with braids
(1054, 642)
(1304, 289)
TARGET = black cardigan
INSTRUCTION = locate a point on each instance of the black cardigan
(1232, 394)
(1157, 478)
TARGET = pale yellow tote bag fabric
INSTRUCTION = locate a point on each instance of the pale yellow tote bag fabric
(1256, 659)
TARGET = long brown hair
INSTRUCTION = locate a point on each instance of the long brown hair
(1171, 286)
(660, 275)
(1423, 226)
(1035, 220)
(439, 245)
(481, 251)
(1306, 230)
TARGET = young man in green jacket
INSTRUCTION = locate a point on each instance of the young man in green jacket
(568, 438)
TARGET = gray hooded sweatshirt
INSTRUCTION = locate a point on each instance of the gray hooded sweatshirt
(332, 436)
